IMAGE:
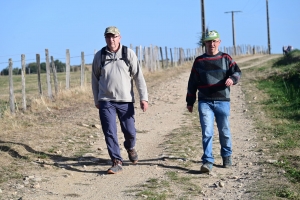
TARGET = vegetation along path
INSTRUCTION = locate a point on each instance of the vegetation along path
(57, 150)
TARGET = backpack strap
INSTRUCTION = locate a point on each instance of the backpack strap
(103, 56)
(124, 58)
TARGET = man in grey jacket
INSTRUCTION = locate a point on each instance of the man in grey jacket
(112, 86)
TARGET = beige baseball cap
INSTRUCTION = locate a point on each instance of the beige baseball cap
(112, 29)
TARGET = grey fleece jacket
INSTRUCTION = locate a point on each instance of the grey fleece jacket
(114, 82)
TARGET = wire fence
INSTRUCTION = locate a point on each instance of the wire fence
(152, 58)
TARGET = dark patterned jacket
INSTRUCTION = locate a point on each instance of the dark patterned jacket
(208, 76)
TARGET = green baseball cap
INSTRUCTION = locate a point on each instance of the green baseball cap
(212, 35)
(112, 29)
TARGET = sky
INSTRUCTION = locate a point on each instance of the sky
(31, 26)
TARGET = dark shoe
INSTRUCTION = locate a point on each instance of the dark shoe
(206, 167)
(115, 168)
(227, 162)
(132, 155)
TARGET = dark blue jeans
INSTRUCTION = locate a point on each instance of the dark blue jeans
(108, 112)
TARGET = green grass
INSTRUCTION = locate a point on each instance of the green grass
(280, 83)
(284, 106)
(165, 188)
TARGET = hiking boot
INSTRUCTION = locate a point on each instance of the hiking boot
(116, 167)
(132, 155)
(227, 162)
(206, 167)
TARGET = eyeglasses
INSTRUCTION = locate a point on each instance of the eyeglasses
(111, 36)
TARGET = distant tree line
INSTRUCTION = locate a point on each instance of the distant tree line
(31, 68)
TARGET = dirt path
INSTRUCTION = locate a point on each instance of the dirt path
(87, 179)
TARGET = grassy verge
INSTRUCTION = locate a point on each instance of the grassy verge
(274, 88)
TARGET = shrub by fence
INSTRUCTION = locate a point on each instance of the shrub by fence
(151, 59)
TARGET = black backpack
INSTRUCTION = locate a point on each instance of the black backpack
(124, 57)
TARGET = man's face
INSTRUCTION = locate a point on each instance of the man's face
(212, 46)
(113, 41)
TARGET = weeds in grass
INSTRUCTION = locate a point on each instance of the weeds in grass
(285, 193)
(42, 156)
(291, 165)
(8, 173)
(81, 151)
(154, 189)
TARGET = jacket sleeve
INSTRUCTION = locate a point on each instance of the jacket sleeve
(138, 76)
(96, 76)
(192, 87)
(235, 72)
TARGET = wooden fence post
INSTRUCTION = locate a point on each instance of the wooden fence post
(11, 87)
(48, 74)
(167, 62)
(172, 64)
(141, 56)
(187, 55)
(54, 75)
(137, 52)
(38, 65)
(151, 58)
(156, 58)
(181, 56)
(67, 69)
(82, 80)
(145, 54)
(162, 57)
(176, 56)
(23, 72)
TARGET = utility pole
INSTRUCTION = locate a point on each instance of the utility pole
(203, 18)
(233, 32)
(269, 43)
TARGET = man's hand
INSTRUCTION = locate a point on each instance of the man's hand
(97, 106)
(190, 108)
(144, 105)
(229, 82)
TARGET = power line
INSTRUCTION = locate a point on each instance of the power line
(26, 60)
(246, 4)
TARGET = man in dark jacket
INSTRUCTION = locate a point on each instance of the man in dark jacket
(212, 75)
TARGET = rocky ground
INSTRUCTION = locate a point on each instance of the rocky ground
(85, 178)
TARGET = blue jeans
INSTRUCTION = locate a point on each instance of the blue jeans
(208, 111)
(108, 112)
